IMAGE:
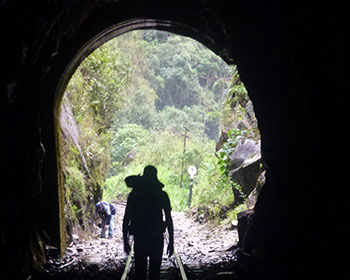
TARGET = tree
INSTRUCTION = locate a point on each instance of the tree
(128, 137)
(96, 87)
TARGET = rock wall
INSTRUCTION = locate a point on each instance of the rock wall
(70, 130)
(291, 57)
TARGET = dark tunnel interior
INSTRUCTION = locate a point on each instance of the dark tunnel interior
(294, 60)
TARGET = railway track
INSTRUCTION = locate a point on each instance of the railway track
(174, 268)
(175, 271)
(105, 259)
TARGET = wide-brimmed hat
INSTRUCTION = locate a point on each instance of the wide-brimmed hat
(133, 181)
(149, 177)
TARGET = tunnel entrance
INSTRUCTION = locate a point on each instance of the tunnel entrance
(280, 49)
(92, 44)
(237, 125)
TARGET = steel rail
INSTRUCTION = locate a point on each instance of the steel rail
(128, 263)
(180, 266)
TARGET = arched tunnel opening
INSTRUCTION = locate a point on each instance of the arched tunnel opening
(201, 116)
(292, 58)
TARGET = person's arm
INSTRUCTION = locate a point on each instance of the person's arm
(170, 226)
(126, 222)
(108, 210)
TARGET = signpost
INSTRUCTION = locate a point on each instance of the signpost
(192, 170)
(183, 158)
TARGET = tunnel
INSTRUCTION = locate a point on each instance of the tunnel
(293, 59)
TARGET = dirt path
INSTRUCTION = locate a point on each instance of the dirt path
(201, 244)
(197, 245)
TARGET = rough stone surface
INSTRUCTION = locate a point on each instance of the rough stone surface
(244, 222)
(70, 130)
(245, 150)
(289, 54)
(253, 196)
(246, 165)
(198, 246)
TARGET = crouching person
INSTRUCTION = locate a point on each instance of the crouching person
(106, 211)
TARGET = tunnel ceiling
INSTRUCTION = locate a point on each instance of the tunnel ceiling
(293, 59)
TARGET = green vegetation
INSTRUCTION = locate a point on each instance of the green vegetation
(164, 150)
(227, 150)
(133, 98)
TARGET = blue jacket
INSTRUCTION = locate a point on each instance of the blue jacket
(105, 210)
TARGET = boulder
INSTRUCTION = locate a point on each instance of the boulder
(253, 196)
(246, 165)
(246, 149)
(244, 221)
(250, 115)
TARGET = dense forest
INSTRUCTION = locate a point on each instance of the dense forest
(152, 97)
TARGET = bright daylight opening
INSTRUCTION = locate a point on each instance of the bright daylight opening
(155, 98)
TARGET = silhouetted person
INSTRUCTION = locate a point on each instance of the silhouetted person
(146, 208)
(106, 211)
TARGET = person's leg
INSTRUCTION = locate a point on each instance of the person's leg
(156, 257)
(103, 230)
(140, 259)
(111, 227)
